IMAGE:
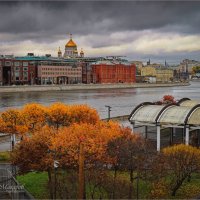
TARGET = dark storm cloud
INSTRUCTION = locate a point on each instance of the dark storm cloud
(47, 20)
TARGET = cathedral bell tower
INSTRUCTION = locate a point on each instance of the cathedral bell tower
(59, 53)
(71, 49)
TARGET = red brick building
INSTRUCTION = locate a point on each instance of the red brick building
(24, 72)
(113, 72)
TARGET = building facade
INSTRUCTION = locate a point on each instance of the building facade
(161, 74)
(113, 72)
(6, 69)
(1, 73)
(59, 73)
(24, 72)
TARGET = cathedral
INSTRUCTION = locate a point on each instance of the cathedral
(70, 50)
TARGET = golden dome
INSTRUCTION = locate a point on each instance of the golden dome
(71, 43)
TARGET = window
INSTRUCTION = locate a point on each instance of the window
(17, 69)
(25, 68)
(7, 63)
(16, 74)
(31, 63)
(16, 64)
(25, 75)
(25, 64)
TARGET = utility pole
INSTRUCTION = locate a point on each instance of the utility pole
(81, 174)
(109, 109)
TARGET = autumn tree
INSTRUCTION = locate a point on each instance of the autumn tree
(32, 153)
(2, 126)
(182, 161)
(83, 114)
(34, 116)
(58, 115)
(94, 138)
(129, 153)
(82, 145)
(13, 123)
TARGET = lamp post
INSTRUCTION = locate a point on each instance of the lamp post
(109, 110)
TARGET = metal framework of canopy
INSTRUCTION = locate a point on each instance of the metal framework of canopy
(184, 114)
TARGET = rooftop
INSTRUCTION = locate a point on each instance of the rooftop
(184, 112)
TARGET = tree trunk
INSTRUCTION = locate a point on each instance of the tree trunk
(178, 185)
(50, 183)
(114, 183)
(131, 184)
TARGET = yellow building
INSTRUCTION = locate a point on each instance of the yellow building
(138, 64)
(164, 75)
(161, 74)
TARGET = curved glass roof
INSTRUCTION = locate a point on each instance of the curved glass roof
(147, 113)
(187, 113)
(174, 115)
(194, 118)
(189, 103)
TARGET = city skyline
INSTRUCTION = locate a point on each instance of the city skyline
(139, 30)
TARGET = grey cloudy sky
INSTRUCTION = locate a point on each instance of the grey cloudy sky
(138, 29)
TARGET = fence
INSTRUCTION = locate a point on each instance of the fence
(9, 186)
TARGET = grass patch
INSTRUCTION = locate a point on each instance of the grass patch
(35, 183)
(5, 156)
(189, 190)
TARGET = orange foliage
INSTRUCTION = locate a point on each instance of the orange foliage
(168, 99)
(159, 190)
(58, 114)
(94, 138)
(32, 152)
(182, 160)
(13, 121)
(2, 126)
(121, 149)
(34, 116)
(83, 114)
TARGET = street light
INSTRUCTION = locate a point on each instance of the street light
(109, 110)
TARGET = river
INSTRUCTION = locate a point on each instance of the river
(122, 101)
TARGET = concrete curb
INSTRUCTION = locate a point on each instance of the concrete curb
(42, 88)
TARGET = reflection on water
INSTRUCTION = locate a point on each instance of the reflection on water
(122, 101)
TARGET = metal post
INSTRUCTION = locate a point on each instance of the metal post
(187, 131)
(109, 109)
(158, 137)
(133, 123)
(171, 135)
(146, 130)
(55, 182)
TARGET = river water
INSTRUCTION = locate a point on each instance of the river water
(122, 101)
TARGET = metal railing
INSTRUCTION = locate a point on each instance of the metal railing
(9, 185)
